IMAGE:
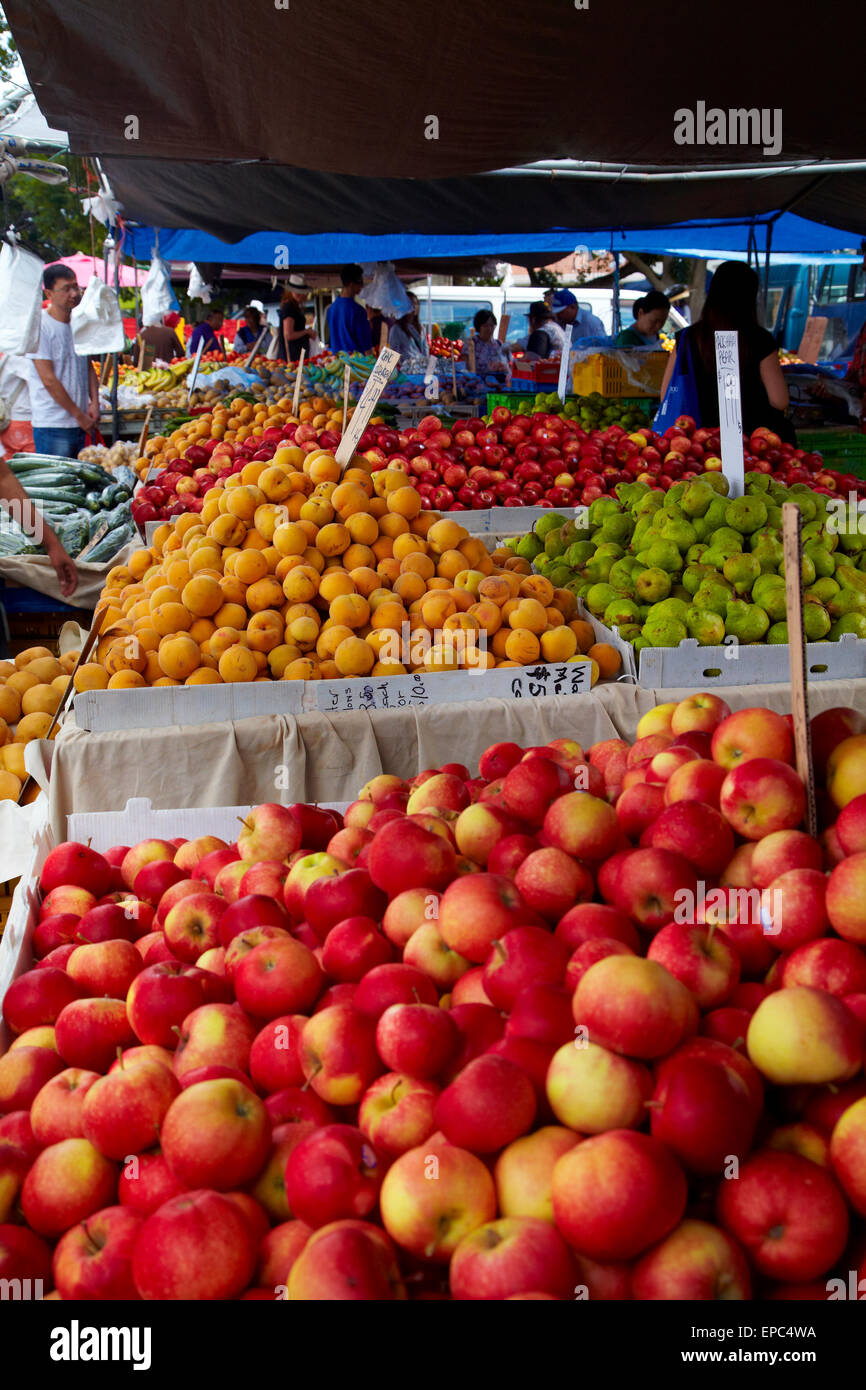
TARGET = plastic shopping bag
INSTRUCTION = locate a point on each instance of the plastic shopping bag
(681, 397)
(20, 300)
(157, 296)
(97, 323)
(383, 291)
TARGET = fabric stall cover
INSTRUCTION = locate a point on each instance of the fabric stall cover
(463, 94)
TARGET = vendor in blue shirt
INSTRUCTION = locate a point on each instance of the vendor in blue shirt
(566, 310)
(206, 331)
(348, 325)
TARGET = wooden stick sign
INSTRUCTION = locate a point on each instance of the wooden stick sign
(299, 377)
(378, 379)
(793, 553)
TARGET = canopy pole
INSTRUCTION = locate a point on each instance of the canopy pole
(617, 317)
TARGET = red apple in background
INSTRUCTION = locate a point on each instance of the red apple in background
(616, 1194)
(78, 866)
(197, 1245)
(488, 1105)
(89, 1032)
(333, 1173)
(66, 1184)
(269, 832)
(787, 1213)
(513, 1255)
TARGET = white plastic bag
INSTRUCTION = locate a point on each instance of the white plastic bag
(157, 296)
(97, 323)
(384, 291)
(197, 287)
(20, 300)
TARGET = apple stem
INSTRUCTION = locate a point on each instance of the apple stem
(244, 823)
(653, 1105)
(501, 949)
(120, 1057)
(397, 1086)
(418, 999)
(313, 1074)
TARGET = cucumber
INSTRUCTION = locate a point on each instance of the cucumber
(57, 494)
(111, 543)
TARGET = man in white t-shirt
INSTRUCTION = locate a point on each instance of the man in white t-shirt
(64, 392)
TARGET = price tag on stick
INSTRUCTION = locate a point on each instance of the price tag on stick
(378, 379)
(296, 398)
(470, 354)
(563, 366)
(145, 432)
(256, 347)
(792, 545)
(347, 377)
(195, 366)
(730, 411)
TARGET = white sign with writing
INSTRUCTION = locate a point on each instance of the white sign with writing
(386, 364)
(730, 411)
(564, 364)
(195, 366)
(420, 689)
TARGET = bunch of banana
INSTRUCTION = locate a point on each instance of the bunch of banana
(154, 380)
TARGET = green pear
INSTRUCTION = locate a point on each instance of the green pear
(714, 594)
(707, 627)
(746, 621)
(653, 584)
(742, 571)
(746, 514)
(666, 632)
(849, 622)
(665, 555)
(778, 633)
(619, 612)
(598, 596)
(816, 621)
(697, 498)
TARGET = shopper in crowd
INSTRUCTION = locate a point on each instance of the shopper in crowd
(163, 339)
(376, 320)
(64, 392)
(206, 333)
(856, 374)
(490, 355)
(732, 304)
(650, 316)
(567, 311)
(546, 338)
(248, 329)
(294, 332)
(406, 336)
(348, 325)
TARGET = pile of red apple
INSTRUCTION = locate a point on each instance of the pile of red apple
(550, 460)
(589, 1024)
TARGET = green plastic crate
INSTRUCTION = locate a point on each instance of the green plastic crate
(844, 450)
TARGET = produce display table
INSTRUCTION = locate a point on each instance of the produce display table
(315, 757)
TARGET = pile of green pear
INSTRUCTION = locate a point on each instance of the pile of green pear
(693, 563)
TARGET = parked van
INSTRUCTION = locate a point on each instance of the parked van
(455, 306)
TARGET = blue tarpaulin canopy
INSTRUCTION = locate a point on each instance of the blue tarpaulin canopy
(792, 236)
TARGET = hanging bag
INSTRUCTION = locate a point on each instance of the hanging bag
(681, 397)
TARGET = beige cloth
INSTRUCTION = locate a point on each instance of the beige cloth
(37, 572)
(318, 757)
(310, 757)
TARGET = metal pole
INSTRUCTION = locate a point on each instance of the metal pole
(617, 317)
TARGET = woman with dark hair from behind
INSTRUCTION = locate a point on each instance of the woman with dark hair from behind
(732, 304)
(650, 315)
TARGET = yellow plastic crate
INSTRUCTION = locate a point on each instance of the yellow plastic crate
(604, 372)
